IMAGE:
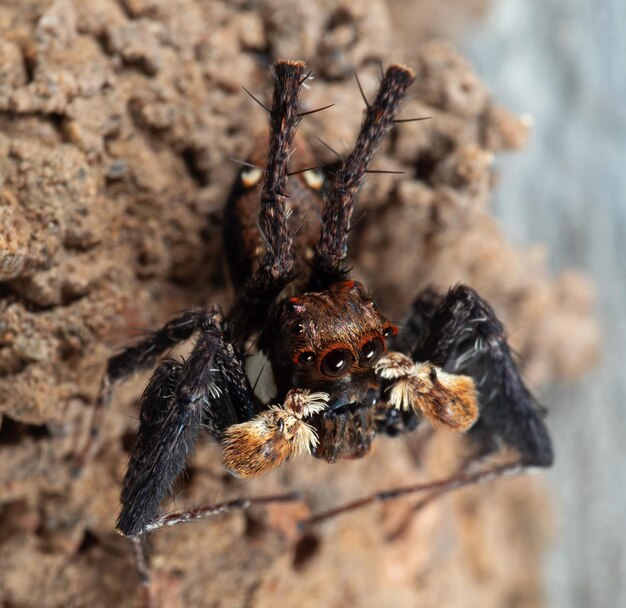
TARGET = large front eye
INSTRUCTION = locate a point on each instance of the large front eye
(371, 351)
(336, 362)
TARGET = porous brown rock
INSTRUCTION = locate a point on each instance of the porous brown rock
(117, 122)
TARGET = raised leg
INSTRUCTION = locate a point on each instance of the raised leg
(140, 356)
(329, 261)
(275, 269)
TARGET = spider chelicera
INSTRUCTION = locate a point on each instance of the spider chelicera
(343, 373)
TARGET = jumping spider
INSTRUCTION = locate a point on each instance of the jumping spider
(342, 371)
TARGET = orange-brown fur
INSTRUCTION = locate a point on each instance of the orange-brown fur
(255, 448)
(445, 399)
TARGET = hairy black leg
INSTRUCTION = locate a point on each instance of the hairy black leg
(413, 327)
(144, 354)
(179, 399)
(329, 261)
(464, 336)
(140, 356)
(275, 269)
(460, 333)
(435, 487)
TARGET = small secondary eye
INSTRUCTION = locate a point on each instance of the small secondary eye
(306, 358)
(314, 178)
(372, 350)
(251, 177)
(336, 362)
(297, 329)
(387, 332)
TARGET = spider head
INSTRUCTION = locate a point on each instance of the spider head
(327, 341)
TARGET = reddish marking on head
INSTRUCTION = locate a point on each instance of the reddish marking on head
(345, 286)
(297, 305)
(371, 336)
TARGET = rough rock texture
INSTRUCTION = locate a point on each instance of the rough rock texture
(117, 120)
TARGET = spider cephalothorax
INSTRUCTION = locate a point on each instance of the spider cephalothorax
(343, 372)
(327, 341)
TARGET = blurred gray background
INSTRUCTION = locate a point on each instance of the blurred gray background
(564, 62)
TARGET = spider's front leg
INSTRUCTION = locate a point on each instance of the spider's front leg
(141, 356)
(210, 388)
(464, 336)
(275, 267)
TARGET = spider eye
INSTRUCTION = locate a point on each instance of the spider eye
(313, 178)
(387, 332)
(297, 329)
(372, 350)
(336, 362)
(251, 177)
(306, 357)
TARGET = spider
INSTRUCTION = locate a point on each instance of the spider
(343, 372)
